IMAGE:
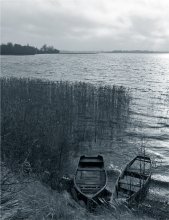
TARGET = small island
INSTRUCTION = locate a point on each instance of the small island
(17, 49)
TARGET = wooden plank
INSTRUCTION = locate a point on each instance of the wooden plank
(136, 175)
(90, 183)
(128, 184)
(126, 191)
(96, 160)
(90, 169)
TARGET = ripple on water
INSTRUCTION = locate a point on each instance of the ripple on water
(147, 77)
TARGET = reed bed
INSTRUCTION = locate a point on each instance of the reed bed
(43, 121)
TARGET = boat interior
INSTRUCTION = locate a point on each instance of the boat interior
(90, 177)
(135, 175)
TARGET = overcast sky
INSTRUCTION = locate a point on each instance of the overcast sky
(87, 24)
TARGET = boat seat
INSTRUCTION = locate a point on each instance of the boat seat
(126, 191)
(90, 187)
(128, 184)
(90, 169)
(89, 191)
(134, 174)
(89, 181)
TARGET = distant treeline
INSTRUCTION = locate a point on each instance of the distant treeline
(17, 49)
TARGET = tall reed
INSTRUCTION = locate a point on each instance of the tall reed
(42, 121)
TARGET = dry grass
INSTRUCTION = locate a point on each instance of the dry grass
(28, 199)
(36, 202)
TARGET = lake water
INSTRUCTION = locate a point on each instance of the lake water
(147, 78)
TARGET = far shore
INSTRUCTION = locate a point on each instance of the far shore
(92, 52)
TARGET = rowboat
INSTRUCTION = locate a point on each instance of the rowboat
(134, 180)
(90, 180)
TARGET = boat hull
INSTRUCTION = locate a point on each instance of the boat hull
(133, 183)
(90, 181)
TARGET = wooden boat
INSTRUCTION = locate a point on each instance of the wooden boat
(133, 182)
(90, 180)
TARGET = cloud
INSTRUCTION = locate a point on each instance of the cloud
(87, 24)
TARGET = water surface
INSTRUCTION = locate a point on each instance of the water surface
(147, 78)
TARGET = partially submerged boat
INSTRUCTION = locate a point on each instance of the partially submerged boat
(134, 180)
(90, 180)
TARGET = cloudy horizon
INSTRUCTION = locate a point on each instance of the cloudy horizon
(87, 24)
